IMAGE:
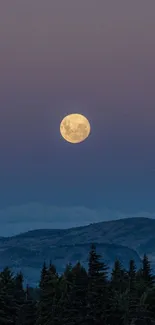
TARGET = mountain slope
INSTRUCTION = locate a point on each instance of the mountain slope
(136, 233)
(123, 239)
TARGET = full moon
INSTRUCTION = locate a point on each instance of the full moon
(75, 128)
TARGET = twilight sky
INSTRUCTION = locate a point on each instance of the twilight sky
(91, 57)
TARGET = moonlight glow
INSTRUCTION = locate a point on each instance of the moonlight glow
(75, 128)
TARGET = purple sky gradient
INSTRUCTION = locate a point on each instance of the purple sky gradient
(92, 57)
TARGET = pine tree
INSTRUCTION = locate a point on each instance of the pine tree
(63, 301)
(52, 268)
(75, 299)
(68, 272)
(133, 297)
(27, 314)
(44, 272)
(116, 275)
(19, 294)
(65, 298)
(118, 307)
(97, 288)
(8, 306)
(80, 285)
(47, 307)
(132, 275)
(146, 271)
(119, 277)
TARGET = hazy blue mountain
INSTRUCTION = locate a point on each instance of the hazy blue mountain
(123, 239)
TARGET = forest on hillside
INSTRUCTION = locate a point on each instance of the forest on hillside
(81, 297)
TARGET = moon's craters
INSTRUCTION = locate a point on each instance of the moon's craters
(75, 128)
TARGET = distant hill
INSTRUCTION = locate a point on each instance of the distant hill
(123, 239)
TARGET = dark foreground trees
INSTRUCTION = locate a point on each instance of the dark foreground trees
(80, 297)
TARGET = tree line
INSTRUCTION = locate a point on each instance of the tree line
(81, 297)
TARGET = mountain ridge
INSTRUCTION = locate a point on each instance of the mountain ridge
(125, 239)
(85, 226)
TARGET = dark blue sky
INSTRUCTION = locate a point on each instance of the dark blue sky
(59, 58)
